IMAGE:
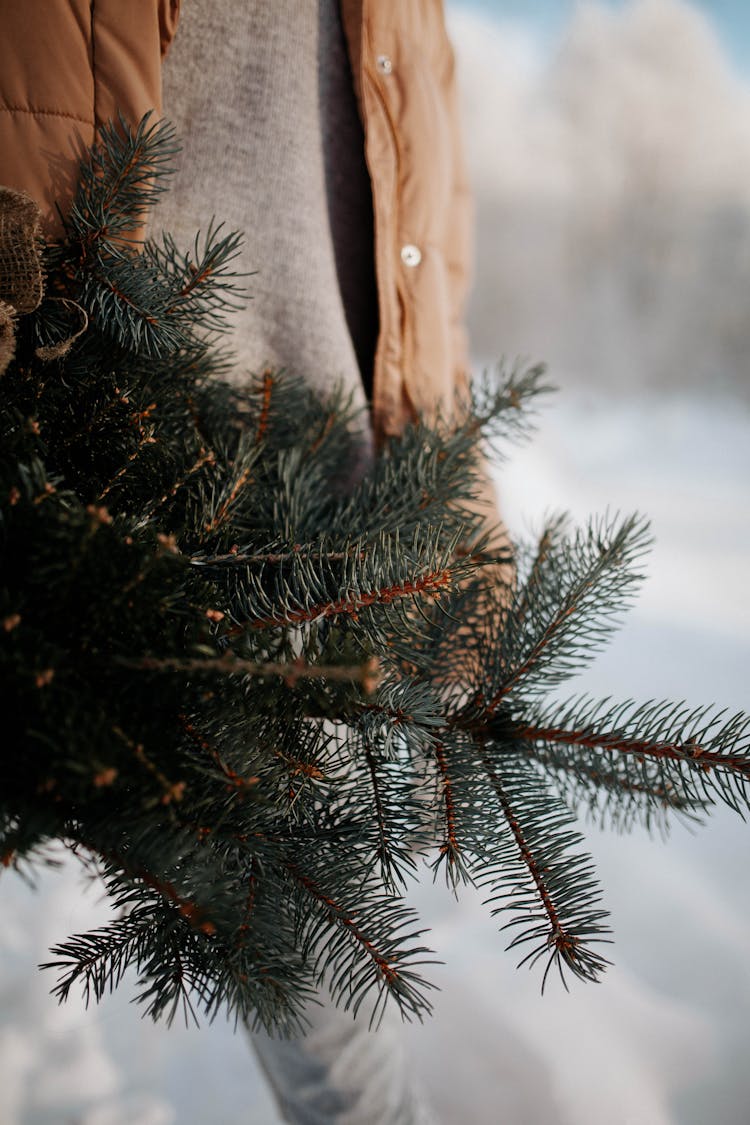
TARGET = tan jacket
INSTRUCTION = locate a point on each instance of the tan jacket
(403, 70)
(66, 66)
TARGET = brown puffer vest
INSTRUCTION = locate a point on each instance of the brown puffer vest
(66, 67)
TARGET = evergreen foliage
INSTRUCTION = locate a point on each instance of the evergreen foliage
(252, 693)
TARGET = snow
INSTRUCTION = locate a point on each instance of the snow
(657, 1041)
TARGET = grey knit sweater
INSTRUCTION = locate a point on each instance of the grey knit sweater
(262, 98)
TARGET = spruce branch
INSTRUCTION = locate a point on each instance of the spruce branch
(122, 179)
(450, 848)
(227, 664)
(339, 931)
(553, 894)
(502, 403)
(258, 693)
(204, 281)
(669, 754)
(385, 851)
(566, 610)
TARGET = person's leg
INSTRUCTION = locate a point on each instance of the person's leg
(341, 1073)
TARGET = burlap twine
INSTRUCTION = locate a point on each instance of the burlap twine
(21, 275)
(7, 334)
(21, 283)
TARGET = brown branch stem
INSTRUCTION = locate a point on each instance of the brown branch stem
(275, 558)
(430, 585)
(531, 659)
(205, 457)
(365, 674)
(557, 934)
(189, 910)
(338, 914)
(689, 752)
(265, 406)
(450, 847)
(379, 813)
(171, 791)
(236, 781)
(243, 479)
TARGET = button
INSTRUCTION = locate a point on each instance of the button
(385, 66)
(411, 255)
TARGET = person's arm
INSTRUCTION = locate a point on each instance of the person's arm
(66, 67)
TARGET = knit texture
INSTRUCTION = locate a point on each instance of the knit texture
(262, 98)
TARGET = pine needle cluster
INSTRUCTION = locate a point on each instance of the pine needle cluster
(254, 694)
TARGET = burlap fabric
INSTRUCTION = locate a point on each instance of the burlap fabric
(21, 282)
(7, 334)
(21, 279)
(77, 324)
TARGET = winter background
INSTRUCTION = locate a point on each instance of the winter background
(610, 153)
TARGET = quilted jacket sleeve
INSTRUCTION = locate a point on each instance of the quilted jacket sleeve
(66, 66)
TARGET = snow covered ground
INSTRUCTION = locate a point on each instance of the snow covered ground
(661, 1040)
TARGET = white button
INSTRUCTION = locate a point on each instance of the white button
(385, 66)
(411, 255)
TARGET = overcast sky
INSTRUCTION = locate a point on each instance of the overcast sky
(730, 18)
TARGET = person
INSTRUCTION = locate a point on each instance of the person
(329, 133)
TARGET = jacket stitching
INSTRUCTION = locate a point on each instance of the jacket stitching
(44, 113)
